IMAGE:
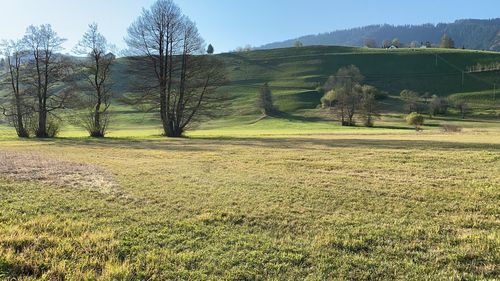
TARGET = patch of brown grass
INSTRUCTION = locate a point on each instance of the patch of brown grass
(55, 172)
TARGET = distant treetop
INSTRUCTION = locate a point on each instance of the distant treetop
(210, 49)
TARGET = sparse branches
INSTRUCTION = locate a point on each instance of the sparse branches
(96, 73)
(178, 80)
(345, 93)
(368, 105)
(298, 44)
(396, 43)
(411, 100)
(463, 107)
(447, 42)
(47, 70)
(369, 43)
(17, 107)
(439, 105)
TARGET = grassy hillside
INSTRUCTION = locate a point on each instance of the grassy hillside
(296, 197)
(294, 74)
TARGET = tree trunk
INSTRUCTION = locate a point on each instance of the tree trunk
(171, 130)
(98, 132)
(21, 130)
(41, 131)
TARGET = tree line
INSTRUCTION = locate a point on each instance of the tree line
(471, 34)
(173, 76)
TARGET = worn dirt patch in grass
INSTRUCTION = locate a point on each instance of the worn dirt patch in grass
(56, 172)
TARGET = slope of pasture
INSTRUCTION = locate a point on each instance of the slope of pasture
(295, 73)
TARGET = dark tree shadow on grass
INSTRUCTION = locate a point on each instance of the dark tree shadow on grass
(322, 142)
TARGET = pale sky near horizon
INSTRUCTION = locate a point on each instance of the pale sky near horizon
(228, 24)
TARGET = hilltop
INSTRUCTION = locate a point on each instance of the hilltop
(469, 33)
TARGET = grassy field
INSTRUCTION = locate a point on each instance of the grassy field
(346, 205)
(295, 73)
(293, 197)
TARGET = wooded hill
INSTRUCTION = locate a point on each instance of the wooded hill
(468, 33)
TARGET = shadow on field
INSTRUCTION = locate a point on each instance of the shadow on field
(311, 144)
(291, 117)
(217, 144)
(484, 119)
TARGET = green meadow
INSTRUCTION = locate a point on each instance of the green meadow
(290, 197)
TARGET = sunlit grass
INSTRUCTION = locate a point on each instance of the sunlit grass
(348, 205)
(290, 197)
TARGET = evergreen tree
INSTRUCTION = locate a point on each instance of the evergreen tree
(210, 49)
(265, 101)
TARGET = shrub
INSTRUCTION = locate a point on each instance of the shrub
(381, 95)
(448, 128)
(439, 105)
(415, 119)
(53, 126)
(412, 101)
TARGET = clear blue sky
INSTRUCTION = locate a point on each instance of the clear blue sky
(228, 24)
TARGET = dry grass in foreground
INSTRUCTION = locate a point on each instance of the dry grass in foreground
(55, 172)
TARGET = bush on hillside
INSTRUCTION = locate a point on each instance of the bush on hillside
(416, 120)
(439, 105)
(448, 128)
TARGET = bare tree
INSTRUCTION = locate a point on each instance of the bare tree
(369, 43)
(346, 77)
(97, 77)
(47, 71)
(344, 88)
(179, 81)
(17, 109)
(298, 44)
(463, 107)
(368, 105)
(447, 42)
(412, 101)
(386, 43)
(396, 43)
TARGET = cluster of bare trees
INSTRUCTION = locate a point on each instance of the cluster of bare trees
(37, 75)
(349, 98)
(172, 75)
(432, 104)
(43, 81)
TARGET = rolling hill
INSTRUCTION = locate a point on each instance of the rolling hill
(295, 73)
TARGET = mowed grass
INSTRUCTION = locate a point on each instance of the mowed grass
(305, 207)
